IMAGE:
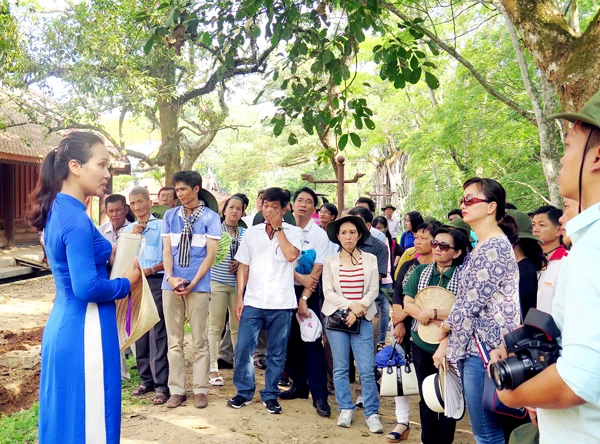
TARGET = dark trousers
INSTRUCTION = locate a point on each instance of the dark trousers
(305, 363)
(151, 349)
(436, 428)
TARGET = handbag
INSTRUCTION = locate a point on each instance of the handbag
(399, 377)
(490, 400)
(337, 322)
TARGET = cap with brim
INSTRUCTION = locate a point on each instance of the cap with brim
(259, 218)
(460, 224)
(208, 199)
(524, 224)
(589, 113)
(433, 297)
(334, 228)
(389, 206)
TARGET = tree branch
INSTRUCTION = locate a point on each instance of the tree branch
(454, 53)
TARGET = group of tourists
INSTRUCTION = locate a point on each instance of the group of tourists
(310, 292)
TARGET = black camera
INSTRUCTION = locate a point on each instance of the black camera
(535, 347)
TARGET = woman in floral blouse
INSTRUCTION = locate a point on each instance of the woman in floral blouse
(487, 300)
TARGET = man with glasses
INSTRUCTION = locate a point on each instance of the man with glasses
(306, 360)
(116, 210)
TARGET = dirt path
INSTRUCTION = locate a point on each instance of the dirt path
(25, 306)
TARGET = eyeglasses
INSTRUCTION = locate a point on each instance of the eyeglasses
(443, 245)
(302, 201)
(470, 200)
(325, 212)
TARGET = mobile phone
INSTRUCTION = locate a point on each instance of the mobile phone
(183, 285)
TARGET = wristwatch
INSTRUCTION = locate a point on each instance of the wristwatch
(279, 229)
(169, 277)
(305, 298)
(153, 269)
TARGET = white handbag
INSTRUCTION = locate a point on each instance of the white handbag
(399, 380)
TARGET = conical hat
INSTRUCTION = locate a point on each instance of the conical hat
(433, 297)
(139, 307)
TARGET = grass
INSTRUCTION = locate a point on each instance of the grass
(20, 427)
(128, 386)
(187, 330)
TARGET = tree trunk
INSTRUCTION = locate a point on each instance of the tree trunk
(571, 62)
(548, 139)
(168, 116)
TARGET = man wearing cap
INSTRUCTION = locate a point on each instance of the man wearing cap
(306, 360)
(265, 298)
(567, 394)
(190, 236)
(393, 224)
(547, 227)
(151, 349)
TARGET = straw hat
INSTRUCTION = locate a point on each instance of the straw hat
(141, 310)
(334, 228)
(433, 297)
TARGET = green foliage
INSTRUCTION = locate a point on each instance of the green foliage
(20, 427)
(127, 399)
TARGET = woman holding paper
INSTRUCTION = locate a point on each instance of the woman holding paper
(80, 386)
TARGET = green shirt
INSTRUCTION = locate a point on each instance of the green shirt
(412, 288)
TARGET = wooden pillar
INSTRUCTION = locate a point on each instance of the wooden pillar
(340, 182)
(8, 202)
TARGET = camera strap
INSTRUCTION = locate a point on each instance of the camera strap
(483, 352)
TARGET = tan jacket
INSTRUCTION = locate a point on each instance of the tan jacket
(334, 297)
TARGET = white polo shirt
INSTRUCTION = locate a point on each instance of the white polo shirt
(314, 238)
(548, 278)
(270, 276)
(393, 227)
(107, 231)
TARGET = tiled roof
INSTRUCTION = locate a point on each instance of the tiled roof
(27, 142)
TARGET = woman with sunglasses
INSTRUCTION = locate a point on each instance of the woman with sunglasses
(222, 285)
(487, 300)
(449, 250)
(402, 322)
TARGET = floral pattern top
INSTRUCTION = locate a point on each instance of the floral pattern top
(487, 300)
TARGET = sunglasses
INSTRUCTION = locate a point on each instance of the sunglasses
(443, 245)
(470, 200)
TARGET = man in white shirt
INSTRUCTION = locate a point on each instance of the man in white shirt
(306, 360)
(547, 228)
(393, 224)
(567, 394)
(116, 210)
(266, 273)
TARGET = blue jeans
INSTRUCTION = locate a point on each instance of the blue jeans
(487, 427)
(277, 324)
(384, 320)
(364, 354)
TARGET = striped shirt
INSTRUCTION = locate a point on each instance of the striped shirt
(352, 281)
(220, 272)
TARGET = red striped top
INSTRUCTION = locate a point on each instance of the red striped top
(352, 281)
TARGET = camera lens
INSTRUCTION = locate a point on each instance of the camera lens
(509, 373)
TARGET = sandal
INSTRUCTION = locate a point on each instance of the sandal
(400, 433)
(160, 398)
(141, 390)
(218, 381)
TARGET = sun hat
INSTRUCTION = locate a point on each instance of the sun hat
(589, 113)
(334, 228)
(389, 205)
(460, 224)
(430, 298)
(288, 217)
(136, 314)
(524, 224)
(310, 328)
(433, 391)
(209, 199)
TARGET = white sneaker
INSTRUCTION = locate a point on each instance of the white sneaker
(374, 424)
(345, 418)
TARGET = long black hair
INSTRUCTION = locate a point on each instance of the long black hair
(55, 169)
(383, 221)
(415, 220)
(533, 251)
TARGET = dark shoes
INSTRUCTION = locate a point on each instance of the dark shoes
(260, 364)
(284, 381)
(295, 393)
(175, 401)
(272, 406)
(322, 407)
(238, 401)
(223, 364)
(200, 401)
